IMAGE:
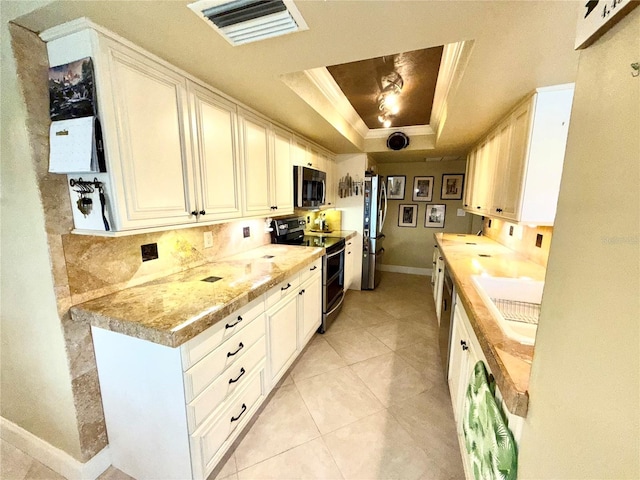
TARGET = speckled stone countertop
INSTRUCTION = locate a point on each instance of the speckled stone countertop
(346, 234)
(509, 360)
(176, 308)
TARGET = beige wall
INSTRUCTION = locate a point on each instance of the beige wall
(413, 247)
(584, 414)
(36, 389)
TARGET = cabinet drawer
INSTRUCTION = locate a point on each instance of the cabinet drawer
(310, 270)
(231, 380)
(231, 351)
(283, 290)
(207, 440)
(207, 341)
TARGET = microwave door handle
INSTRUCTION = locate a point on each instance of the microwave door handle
(324, 192)
(300, 183)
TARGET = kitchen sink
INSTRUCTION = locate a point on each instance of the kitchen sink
(514, 303)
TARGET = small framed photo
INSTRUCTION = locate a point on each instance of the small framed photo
(452, 186)
(408, 215)
(422, 189)
(395, 187)
(434, 216)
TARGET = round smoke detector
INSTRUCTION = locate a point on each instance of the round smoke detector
(397, 141)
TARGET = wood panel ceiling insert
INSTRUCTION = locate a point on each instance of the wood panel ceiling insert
(361, 83)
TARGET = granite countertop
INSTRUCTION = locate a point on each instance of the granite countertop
(509, 360)
(173, 309)
(346, 234)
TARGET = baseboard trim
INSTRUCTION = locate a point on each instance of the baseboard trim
(54, 458)
(403, 269)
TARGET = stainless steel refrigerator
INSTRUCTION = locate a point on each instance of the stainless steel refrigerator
(375, 211)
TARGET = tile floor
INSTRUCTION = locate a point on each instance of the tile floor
(367, 400)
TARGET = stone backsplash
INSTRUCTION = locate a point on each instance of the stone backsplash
(522, 240)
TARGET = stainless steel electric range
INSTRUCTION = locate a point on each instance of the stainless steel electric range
(290, 231)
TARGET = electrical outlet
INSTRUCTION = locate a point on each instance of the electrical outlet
(149, 251)
(246, 232)
(511, 231)
(208, 239)
(460, 212)
(538, 240)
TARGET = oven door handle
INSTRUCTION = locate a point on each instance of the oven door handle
(336, 253)
(338, 305)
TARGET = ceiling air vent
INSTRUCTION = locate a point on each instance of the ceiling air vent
(244, 21)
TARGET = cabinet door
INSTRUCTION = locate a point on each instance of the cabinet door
(256, 165)
(458, 360)
(470, 176)
(154, 167)
(349, 266)
(214, 127)
(518, 151)
(282, 187)
(502, 167)
(310, 312)
(283, 338)
(301, 154)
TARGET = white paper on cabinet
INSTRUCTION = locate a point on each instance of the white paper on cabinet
(73, 146)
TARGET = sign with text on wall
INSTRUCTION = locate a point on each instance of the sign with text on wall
(595, 17)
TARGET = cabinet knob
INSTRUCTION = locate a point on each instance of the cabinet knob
(202, 212)
(498, 210)
(194, 213)
(478, 207)
(301, 292)
(466, 204)
(309, 164)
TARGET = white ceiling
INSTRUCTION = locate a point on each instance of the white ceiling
(517, 46)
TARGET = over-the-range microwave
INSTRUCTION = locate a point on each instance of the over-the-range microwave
(309, 187)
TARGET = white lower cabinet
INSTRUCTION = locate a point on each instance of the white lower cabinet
(309, 308)
(293, 316)
(282, 327)
(173, 413)
(464, 352)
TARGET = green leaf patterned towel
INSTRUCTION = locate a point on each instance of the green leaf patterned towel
(489, 441)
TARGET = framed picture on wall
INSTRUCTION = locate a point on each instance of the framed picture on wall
(434, 216)
(422, 189)
(452, 184)
(408, 215)
(395, 187)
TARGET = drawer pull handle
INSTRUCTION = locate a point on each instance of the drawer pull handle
(244, 409)
(234, 324)
(301, 292)
(234, 380)
(240, 347)
(312, 269)
(464, 345)
(285, 288)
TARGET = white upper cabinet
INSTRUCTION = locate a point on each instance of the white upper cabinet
(215, 143)
(518, 166)
(282, 185)
(256, 162)
(149, 155)
(176, 151)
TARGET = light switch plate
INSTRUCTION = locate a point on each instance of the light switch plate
(246, 232)
(208, 239)
(461, 212)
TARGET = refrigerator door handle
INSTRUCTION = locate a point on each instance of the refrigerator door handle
(383, 215)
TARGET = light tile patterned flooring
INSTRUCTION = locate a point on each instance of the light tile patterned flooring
(367, 400)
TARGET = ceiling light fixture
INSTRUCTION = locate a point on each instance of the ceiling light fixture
(388, 99)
